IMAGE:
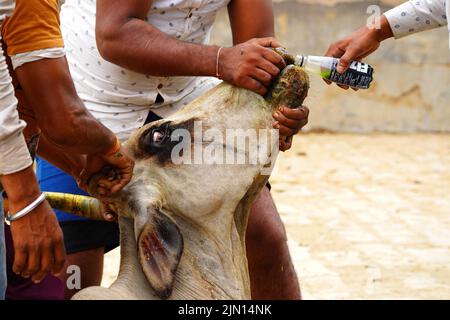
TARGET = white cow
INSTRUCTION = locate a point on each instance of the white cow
(183, 225)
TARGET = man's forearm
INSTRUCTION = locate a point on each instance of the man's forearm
(79, 132)
(71, 163)
(56, 109)
(86, 135)
(140, 47)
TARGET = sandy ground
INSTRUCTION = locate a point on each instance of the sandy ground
(368, 216)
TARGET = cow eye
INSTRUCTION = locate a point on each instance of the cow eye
(160, 136)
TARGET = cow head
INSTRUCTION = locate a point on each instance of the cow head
(194, 182)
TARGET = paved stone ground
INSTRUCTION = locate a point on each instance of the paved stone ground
(368, 216)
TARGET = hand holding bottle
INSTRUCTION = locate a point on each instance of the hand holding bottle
(358, 45)
(358, 75)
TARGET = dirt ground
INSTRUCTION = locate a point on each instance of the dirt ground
(367, 216)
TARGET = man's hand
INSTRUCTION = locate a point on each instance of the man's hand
(122, 166)
(358, 45)
(38, 244)
(37, 237)
(289, 122)
(251, 65)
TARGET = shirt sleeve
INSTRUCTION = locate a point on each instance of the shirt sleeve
(14, 155)
(416, 16)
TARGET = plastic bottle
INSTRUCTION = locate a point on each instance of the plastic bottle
(359, 75)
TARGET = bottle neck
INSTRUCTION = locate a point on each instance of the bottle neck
(300, 60)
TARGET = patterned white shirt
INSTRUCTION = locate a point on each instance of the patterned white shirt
(120, 98)
(418, 15)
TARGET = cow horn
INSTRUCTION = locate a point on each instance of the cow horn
(84, 206)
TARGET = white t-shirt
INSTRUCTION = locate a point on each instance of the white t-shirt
(120, 98)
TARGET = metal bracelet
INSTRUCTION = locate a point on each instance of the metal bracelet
(27, 209)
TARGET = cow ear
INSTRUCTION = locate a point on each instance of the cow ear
(160, 246)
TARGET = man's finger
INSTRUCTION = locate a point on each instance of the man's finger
(283, 130)
(46, 264)
(294, 114)
(283, 121)
(274, 58)
(20, 260)
(334, 51)
(109, 213)
(286, 131)
(255, 86)
(124, 180)
(344, 62)
(118, 186)
(34, 262)
(262, 76)
(285, 143)
(268, 67)
(59, 254)
(268, 42)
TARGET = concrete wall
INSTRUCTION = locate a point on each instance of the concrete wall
(411, 91)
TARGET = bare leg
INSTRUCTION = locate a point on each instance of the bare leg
(91, 266)
(272, 274)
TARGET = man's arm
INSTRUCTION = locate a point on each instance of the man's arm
(406, 19)
(251, 19)
(39, 248)
(34, 43)
(59, 112)
(255, 19)
(125, 39)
